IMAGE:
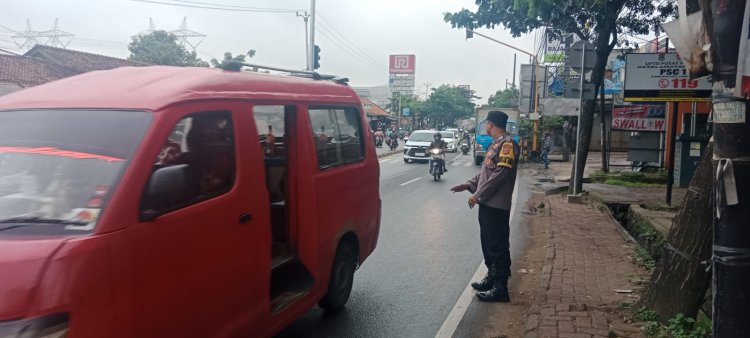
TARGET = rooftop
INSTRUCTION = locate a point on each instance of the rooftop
(154, 87)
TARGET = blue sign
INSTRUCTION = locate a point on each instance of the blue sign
(407, 111)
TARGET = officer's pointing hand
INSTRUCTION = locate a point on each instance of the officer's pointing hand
(460, 188)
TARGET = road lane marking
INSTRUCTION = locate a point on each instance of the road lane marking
(412, 181)
(468, 164)
(456, 163)
(459, 310)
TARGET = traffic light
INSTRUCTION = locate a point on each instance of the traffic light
(469, 34)
(316, 57)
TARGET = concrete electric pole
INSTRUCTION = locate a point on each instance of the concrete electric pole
(311, 45)
(306, 16)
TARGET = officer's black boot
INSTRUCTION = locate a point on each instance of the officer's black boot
(484, 285)
(498, 292)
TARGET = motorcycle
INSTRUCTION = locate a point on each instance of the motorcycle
(378, 142)
(393, 144)
(464, 147)
(437, 164)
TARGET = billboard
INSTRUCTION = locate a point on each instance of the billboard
(556, 46)
(402, 64)
(660, 77)
(639, 118)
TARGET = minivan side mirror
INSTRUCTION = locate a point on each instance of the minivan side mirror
(166, 189)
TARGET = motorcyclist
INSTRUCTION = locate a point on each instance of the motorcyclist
(393, 137)
(438, 143)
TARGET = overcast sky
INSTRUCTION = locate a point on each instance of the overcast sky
(355, 36)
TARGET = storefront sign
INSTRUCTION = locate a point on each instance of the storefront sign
(639, 118)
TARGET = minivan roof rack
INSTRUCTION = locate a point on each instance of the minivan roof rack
(302, 73)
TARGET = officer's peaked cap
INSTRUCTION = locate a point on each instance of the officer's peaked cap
(498, 118)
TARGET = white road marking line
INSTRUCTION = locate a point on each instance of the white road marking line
(468, 164)
(412, 181)
(459, 310)
(456, 163)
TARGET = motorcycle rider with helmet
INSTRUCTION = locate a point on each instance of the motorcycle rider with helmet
(438, 143)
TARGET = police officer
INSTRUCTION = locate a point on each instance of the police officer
(492, 189)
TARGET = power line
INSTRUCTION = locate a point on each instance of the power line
(350, 53)
(238, 7)
(365, 54)
(194, 4)
(348, 49)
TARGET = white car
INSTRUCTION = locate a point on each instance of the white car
(416, 148)
(450, 138)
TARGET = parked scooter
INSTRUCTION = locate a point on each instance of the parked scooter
(464, 147)
(437, 164)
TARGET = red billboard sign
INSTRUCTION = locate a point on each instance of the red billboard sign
(639, 118)
(402, 64)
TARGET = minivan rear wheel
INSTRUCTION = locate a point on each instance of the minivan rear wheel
(341, 280)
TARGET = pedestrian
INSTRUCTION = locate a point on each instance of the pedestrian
(492, 189)
(546, 145)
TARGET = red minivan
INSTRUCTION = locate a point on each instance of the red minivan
(181, 202)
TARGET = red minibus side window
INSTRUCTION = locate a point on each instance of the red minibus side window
(338, 135)
(197, 162)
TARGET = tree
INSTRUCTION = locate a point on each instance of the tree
(602, 22)
(507, 98)
(449, 103)
(161, 48)
(232, 62)
(680, 279)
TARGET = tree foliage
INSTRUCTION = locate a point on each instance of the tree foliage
(161, 48)
(449, 103)
(232, 62)
(507, 98)
(602, 22)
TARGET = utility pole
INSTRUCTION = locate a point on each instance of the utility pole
(311, 45)
(305, 16)
(514, 70)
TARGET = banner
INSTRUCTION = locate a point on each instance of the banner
(662, 78)
(639, 118)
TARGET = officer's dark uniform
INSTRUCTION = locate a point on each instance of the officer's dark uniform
(493, 187)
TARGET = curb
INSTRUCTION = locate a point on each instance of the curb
(390, 153)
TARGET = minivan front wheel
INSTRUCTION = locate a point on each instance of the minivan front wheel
(342, 278)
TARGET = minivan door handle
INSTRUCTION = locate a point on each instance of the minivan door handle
(246, 217)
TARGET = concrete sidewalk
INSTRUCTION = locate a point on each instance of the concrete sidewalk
(588, 272)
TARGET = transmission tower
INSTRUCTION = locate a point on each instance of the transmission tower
(29, 35)
(54, 37)
(151, 28)
(184, 35)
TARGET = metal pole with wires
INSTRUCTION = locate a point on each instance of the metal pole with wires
(306, 16)
(310, 53)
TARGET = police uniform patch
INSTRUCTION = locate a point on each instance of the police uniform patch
(507, 156)
(492, 151)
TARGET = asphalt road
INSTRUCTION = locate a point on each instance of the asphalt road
(427, 253)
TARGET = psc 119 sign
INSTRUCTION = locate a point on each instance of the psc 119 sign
(662, 78)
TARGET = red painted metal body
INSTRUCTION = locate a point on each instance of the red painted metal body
(196, 271)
